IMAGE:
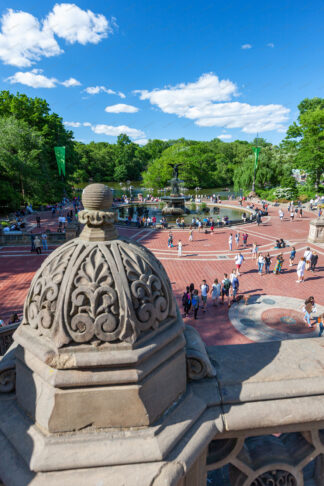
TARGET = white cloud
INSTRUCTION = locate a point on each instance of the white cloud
(71, 82)
(24, 39)
(224, 136)
(72, 124)
(35, 79)
(73, 24)
(121, 108)
(180, 98)
(92, 90)
(271, 44)
(141, 141)
(249, 118)
(246, 46)
(115, 131)
(196, 101)
(86, 124)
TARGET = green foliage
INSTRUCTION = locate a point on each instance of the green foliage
(28, 135)
(308, 137)
(28, 170)
(193, 206)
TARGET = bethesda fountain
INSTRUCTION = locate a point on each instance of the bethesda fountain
(175, 203)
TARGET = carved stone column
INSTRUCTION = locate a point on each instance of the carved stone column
(316, 230)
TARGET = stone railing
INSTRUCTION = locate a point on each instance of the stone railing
(6, 334)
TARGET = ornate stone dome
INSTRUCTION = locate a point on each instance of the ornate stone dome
(99, 287)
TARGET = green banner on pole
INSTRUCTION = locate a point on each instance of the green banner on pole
(256, 151)
(60, 159)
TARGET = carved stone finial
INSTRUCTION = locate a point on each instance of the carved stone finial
(99, 223)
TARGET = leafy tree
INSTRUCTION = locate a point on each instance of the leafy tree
(308, 137)
(20, 155)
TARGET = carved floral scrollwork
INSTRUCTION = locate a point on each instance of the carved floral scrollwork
(148, 290)
(40, 305)
(96, 218)
(275, 478)
(94, 311)
(102, 291)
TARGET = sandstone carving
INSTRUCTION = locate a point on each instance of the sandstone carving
(198, 363)
(107, 291)
(8, 371)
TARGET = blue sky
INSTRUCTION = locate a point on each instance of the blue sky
(167, 69)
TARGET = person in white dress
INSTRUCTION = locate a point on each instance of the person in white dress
(179, 248)
(301, 270)
(230, 242)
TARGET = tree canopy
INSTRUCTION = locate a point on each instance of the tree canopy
(29, 131)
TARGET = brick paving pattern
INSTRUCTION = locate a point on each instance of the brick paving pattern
(207, 257)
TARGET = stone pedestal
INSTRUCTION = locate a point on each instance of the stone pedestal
(316, 230)
(83, 386)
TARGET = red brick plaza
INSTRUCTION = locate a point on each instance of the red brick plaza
(274, 310)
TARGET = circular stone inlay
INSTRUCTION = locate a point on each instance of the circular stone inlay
(268, 301)
(247, 322)
(286, 320)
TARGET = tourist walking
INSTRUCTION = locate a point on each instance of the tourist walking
(261, 262)
(215, 292)
(38, 220)
(38, 245)
(301, 270)
(191, 235)
(195, 303)
(314, 260)
(225, 289)
(170, 240)
(204, 289)
(281, 214)
(308, 308)
(235, 287)
(278, 266)
(179, 248)
(245, 238)
(32, 243)
(237, 239)
(254, 251)
(230, 242)
(267, 261)
(308, 257)
(300, 212)
(292, 256)
(239, 259)
(292, 213)
(186, 301)
(44, 241)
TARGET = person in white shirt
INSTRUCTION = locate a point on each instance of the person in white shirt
(237, 239)
(204, 288)
(230, 242)
(215, 292)
(300, 270)
(260, 262)
(179, 248)
(239, 259)
(308, 257)
(281, 214)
